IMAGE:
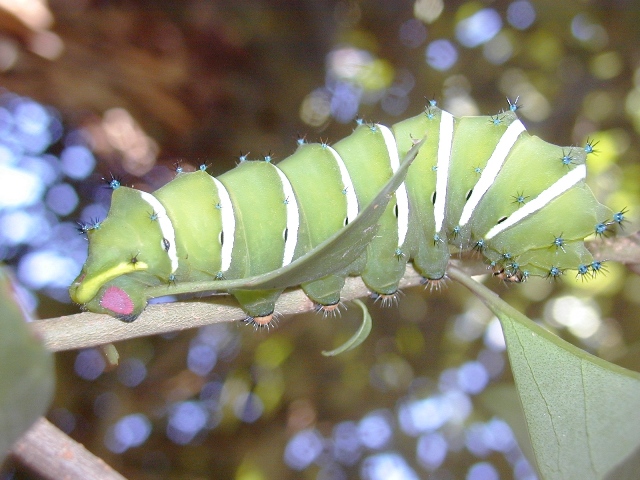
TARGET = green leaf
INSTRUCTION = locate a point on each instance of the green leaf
(332, 255)
(582, 412)
(26, 370)
(503, 401)
(359, 337)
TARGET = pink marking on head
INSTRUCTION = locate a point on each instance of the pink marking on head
(117, 300)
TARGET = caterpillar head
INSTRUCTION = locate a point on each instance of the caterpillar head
(123, 297)
(122, 250)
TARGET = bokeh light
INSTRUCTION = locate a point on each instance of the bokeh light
(131, 372)
(77, 161)
(375, 430)
(499, 49)
(303, 448)
(428, 11)
(186, 420)
(431, 450)
(347, 447)
(18, 188)
(43, 268)
(483, 471)
(38, 197)
(201, 359)
(62, 199)
(587, 30)
(387, 466)
(89, 364)
(413, 33)
(521, 14)
(479, 28)
(441, 54)
(63, 419)
(128, 432)
(472, 377)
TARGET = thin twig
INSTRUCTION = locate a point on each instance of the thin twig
(90, 329)
(52, 454)
(623, 249)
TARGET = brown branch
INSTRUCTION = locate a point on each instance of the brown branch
(91, 329)
(625, 250)
(52, 454)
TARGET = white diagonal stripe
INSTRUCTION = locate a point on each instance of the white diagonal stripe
(166, 228)
(228, 225)
(442, 172)
(490, 172)
(293, 218)
(350, 192)
(402, 200)
(554, 191)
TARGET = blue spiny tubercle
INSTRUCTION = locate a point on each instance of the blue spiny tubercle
(520, 198)
(558, 242)
(597, 267)
(114, 183)
(513, 106)
(496, 119)
(590, 146)
(583, 270)
(566, 158)
(601, 229)
(619, 217)
(554, 273)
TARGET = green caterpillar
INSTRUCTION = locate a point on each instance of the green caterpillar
(353, 208)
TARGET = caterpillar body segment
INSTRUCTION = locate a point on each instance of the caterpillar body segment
(357, 207)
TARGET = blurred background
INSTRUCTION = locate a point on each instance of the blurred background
(92, 90)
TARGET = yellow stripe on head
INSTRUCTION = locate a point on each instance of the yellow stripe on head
(88, 288)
